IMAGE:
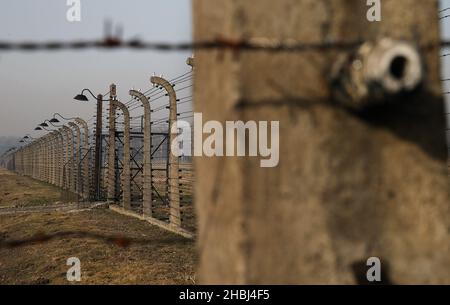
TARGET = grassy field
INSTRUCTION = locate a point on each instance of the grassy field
(18, 190)
(158, 258)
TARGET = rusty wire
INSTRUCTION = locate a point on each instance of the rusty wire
(219, 43)
(251, 44)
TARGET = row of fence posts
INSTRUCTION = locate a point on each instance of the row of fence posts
(62, 157)
(56, 158)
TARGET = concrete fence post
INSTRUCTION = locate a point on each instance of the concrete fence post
(28, 150)
(24, 160)
(38, 157)
(191, 62)
(53, 152)
(41, 159)
(147, 162)
(18, 160)
(26, 163)
(45, 156)
(126, 173)
(48, 158)
(77, 158)
(173, 175)
(31, 158)
(35, 161)
(84, 154)
(68, 177)
(61, 151)
(111, 184)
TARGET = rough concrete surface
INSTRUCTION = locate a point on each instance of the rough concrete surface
(348, 185)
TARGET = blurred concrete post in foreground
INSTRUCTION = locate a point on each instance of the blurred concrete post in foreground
(349, 184)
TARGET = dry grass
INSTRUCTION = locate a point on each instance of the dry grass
(18, 190)
(164, 259)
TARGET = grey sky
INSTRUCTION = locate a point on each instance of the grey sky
(35, 85)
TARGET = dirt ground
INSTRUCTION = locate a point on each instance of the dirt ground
(158, 257)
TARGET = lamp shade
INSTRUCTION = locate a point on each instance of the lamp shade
(81, 97)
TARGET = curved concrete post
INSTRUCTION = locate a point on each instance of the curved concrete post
(68, 160)
(56, 149)
(41, 159)
(38, 158)
(29, 164)
(111, 182)
(35, 159)
(147, 162)
(32, 159)
(29, 160)
(17, 154)
(85, 162)
(77, 158)
(46, 150)
(49, 156)
(22, 160)
(19, 160)
(25, 159)
(173, 181)
(126, 173)
(22, 151)
(59, 161)
(53, 152)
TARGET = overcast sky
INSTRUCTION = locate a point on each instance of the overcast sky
(35, 85)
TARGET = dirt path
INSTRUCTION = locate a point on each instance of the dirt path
(158, 257)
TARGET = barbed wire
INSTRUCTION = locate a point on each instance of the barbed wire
(254, 44)
(219, 43)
